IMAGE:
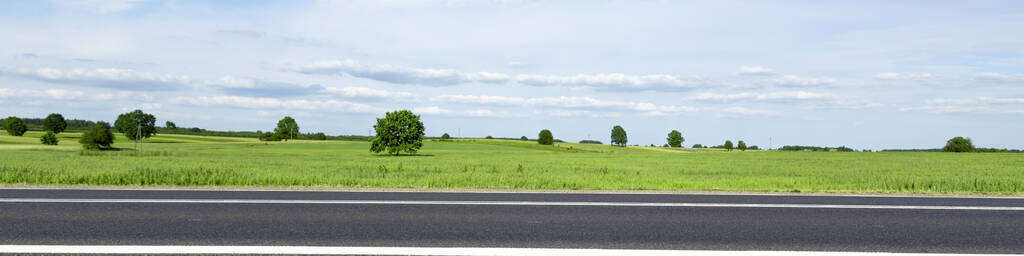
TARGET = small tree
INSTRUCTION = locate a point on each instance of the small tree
(15, 126)
(266, 136)
(55, 123)
(170, 125)
(698, 146)
(49, 138)
(619, 136)
(97, 137)
(728, 145)
(445, 136)
(545, 137)
(318, 136)
(286, 129)
(741, 145)
(136, 125)
(489, 137)
(399, 131)
(524, 138)
(675, 139)
(959, 144)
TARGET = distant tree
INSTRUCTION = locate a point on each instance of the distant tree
(55, 123)
(524, 138)
(489, 137)
(727, 145)
(754, 147)
(445, 136)
(675, 139)
(959, 144)
(399, 131)
(170, 125)
(15, 126)
(130, 123)
(49, 138)
(97, 137)
(742, 146)
(286, 129)
(318, 136)
(698, 146)
(266, 136)
(589, 142)
(545, 137)
(619, 136)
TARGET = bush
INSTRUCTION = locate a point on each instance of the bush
(959, 144)
(49, 138)
(98, 137)
(698, 146)
(590, 142)
(545, 137)
(15, 126)
(399, 131)
(266, 136)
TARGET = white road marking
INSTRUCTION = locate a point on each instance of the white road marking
(322, 250)
(511, 203)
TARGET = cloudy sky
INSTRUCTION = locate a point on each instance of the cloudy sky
(865, 74)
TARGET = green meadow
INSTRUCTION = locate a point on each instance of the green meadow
(182, 160)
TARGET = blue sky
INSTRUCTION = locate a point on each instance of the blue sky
(865, 74)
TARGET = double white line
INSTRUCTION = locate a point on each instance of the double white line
(507, 203)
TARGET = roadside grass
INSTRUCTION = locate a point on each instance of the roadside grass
(185, 160)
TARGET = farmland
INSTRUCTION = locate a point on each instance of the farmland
(184, 160)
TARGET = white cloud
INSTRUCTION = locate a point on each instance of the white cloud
(782, 96)
(756, 71)
(971, 105)
(100, 6)
(1000, 78)
(743, 112)
(124, 79)
(231, 82)
(564, 102)
(401, 75)
(798, 81)
(57, 94)
(433, 110)
(479, 99)
(615, 81)
(904, 76)
(369, 93)
(977, 101)
(272, 103)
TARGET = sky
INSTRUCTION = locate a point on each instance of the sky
(861, 74)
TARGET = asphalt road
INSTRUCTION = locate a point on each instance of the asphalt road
(392, 221)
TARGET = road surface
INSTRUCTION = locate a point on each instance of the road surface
(519, 220)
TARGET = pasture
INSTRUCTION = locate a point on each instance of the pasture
(182, 160)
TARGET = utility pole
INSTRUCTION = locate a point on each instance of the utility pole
(138, 136)
(769, 143)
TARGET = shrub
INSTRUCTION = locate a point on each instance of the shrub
(545, 137)
(590, 142)
(959, 144)
(15, 126)
(49, 138)
(698, 146)
(399, 131)
(98, 137)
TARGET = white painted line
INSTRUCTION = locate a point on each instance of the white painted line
(320, 250)
(510, 203)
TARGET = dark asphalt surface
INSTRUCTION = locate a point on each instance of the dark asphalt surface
(702, 228)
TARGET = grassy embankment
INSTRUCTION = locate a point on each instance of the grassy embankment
(181, 160)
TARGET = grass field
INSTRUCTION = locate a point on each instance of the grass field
(182, 160)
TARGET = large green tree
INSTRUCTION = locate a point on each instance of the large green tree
(286, 129)
(97, 137)
(545, 137)
(959, 144)
(170, 125)
(675, 139)
(399, 131)
(136, 125)
(728, 145)
(55, 123)
(619, 136)
(742, 146)
(15, 126)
